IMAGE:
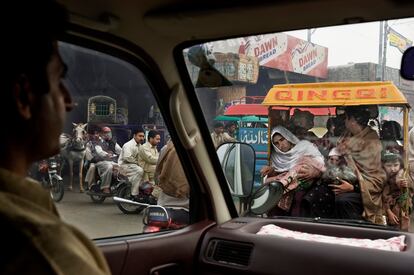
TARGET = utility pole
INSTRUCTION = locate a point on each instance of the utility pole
(381, 40)
(384, 53)
(310, 32)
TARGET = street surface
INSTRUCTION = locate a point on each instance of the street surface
(97, 220)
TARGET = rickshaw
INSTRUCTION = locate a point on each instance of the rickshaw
(328, 100)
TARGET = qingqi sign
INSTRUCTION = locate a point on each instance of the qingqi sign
(330, 94)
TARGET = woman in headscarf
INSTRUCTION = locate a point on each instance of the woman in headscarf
(295, 164)
(361, 149)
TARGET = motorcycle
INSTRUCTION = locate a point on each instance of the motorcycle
(50, 179)
(158, 218)
(120, 187)
(145, 197)
(94, 189)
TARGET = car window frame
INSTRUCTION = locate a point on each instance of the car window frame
(132, 54)
(202, 123)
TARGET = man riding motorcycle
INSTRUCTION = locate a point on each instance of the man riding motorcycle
(129, 161)
(105, 154)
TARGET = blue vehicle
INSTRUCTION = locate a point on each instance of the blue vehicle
(253, 130)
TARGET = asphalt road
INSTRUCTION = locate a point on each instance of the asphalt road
(97, 220)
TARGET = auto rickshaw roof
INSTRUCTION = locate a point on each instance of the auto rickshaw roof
(246, 109)
(260, 110)
(335, 94)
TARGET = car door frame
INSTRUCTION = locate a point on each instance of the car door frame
(122, 252)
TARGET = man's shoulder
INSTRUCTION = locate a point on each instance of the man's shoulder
(129, 143)
(34, 208)
(39, 234)
(146, 145)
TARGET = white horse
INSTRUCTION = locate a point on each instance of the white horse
(73, 149)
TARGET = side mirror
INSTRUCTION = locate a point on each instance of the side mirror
(407, 64)
(238, 161)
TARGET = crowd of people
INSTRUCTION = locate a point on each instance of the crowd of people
(141, 163)
(351, 172)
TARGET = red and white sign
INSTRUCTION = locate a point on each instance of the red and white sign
(279, 51)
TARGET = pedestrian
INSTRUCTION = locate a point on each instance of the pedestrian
(219, 136)
(231, 129)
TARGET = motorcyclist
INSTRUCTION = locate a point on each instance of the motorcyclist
(107, 152)
(129, 160)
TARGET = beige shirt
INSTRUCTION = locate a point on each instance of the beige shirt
(35, 240)
(129, 153)
(148, 157)
(221, 138)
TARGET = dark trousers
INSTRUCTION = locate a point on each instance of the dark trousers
(349, 206)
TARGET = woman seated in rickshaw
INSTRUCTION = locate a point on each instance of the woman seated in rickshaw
(361, 148)
(295, 164)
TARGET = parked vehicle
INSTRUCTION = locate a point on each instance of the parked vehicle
(321, 101)
(50, 179)
(158, 218)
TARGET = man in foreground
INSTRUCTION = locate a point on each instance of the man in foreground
(35, 240)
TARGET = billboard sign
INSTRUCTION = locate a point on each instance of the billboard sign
(279, 51)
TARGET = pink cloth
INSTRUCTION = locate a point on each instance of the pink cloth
(290, 180)
(391, 244)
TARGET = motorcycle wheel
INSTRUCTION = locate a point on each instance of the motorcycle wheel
(127, 208)
(96, 198)
(57, 190)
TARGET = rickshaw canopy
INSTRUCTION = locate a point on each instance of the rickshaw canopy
(227, 118)
(335, 94)
(246, 109)
(261, 110)
(242, 119)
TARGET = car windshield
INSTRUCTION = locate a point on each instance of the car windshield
(327, 114)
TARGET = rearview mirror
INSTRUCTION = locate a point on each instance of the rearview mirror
(238, 161)
(208, 75)
(407, 64)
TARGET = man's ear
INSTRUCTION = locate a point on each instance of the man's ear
(23, 97)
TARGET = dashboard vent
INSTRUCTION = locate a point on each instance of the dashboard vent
(228, 252)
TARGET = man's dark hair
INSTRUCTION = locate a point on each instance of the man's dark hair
(93, 129)
(30, 29)
(152, 134)
(137, 130)
(218, 124)
(231, 123)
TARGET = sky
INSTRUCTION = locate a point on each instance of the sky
(358, 42)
